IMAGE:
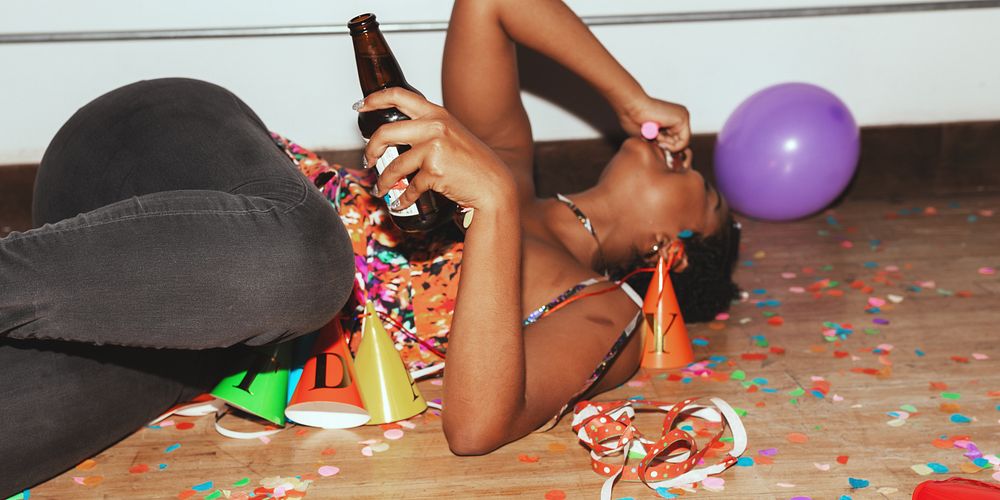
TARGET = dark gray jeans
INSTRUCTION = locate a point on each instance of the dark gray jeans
(170, 233)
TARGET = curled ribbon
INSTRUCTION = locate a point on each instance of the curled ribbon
(607, 429)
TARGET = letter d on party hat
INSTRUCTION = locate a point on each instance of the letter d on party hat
(262, 388)
(327, 395)
(388, 391)
(666, 344)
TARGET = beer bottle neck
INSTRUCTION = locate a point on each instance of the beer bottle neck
(377, 67)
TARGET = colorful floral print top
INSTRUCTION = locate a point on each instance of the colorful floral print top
(413, 284)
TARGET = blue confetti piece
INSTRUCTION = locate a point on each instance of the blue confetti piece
(24, 495)
(922, 354)
(845, 497)
(818, 394)
(718, 359)
(998, 407)
(972, 218)
(153, 427)
(760, 381)
(981, 462)
(172, 447)
(873, 310)
(747, 263)
(162, 466)
(687, 233)
(207, 485)
(857, 483)
(759, 291)
(687, 427)
(745, 462)
(699, 342)
(871, 264)
(637, 398)
(958, 418)
(665, 493)
(769, 390)
(937, 468)
(625, 498)
(686, 380)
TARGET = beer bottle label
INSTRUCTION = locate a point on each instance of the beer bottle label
(391, 153)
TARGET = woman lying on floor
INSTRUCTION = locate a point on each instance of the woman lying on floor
(171, 233)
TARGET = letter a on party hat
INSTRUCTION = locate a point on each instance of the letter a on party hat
(262, 388)
(327, 395)
(387, 389)
(666, 344)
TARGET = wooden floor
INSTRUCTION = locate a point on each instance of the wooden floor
(929, 260)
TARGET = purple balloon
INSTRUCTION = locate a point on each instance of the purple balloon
(786, 152)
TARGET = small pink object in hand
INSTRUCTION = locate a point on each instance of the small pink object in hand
(649, 130)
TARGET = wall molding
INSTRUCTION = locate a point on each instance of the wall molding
(437, 26)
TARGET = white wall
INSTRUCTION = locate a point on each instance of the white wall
(896, 68)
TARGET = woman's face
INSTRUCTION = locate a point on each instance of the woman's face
(662, 200)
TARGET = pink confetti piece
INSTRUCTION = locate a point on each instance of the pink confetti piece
(987, 271)
(636, 383)
(892, 269)
(980, 356)
(393, 434)
(406, 424)
(437, 381)
(166, 423)
(788, 276)
(796, 289)
(264, 439)
(837, 398)
(822, 467)
(714, 483)
(328, 470)
(78, 480)
(875, 302)
(722, 316)
(367, 451)
(785, 485)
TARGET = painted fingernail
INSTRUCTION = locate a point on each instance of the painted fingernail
(364, 162)
(395, 204)
(358, 105)
(374, 190)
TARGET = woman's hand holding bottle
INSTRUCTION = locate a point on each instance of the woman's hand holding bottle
(444, 156)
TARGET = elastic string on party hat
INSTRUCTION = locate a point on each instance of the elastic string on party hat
(675, 252)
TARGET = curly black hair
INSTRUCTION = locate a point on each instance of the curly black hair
(705, 287)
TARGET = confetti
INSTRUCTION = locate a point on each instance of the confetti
(857, 483)
(555, 495)
(138, 469)
(327, 470)
(172, 447)
(797, 437)
(393, 434)
(714, 483)
(203, 486)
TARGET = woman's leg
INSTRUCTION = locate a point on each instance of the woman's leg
(171, 220)
(167, 219)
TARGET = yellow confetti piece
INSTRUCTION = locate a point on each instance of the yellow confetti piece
(87, 464)
(922, 469)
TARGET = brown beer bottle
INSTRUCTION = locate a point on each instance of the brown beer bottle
(377, 70)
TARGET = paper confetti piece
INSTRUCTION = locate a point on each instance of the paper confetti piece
(138, 469)
(922, 469)
(242, 482)
(92, 480)
(172, 447)
(528, 459)
(393, 434)
(937, 468)
(857, 483)
(555, 495)
(207, 485)
(557, 447)
(213, 495)
(714, 483)
(87, 464)
(797, 437)
(958, 418)
(822, 467)
(328, 470)
(744, 462)
(842, 459)
(183, 426)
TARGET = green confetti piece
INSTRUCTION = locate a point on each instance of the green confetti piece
(740, 411)
(738, 375)
(746, 384)
(832, 283)
(794, 401)
(828, 267)
(768, 314)
(215, 494)
(727, 439)
(950, 395)
(798, 391)
(909, 408)
(639, 454)
(872, 331)
(242, 482)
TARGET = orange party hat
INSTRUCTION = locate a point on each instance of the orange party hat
(666, 344)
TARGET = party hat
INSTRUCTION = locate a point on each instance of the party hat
(666, 344)
(387, 389)
(302, 349)
(261, 388)
(327, 393)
